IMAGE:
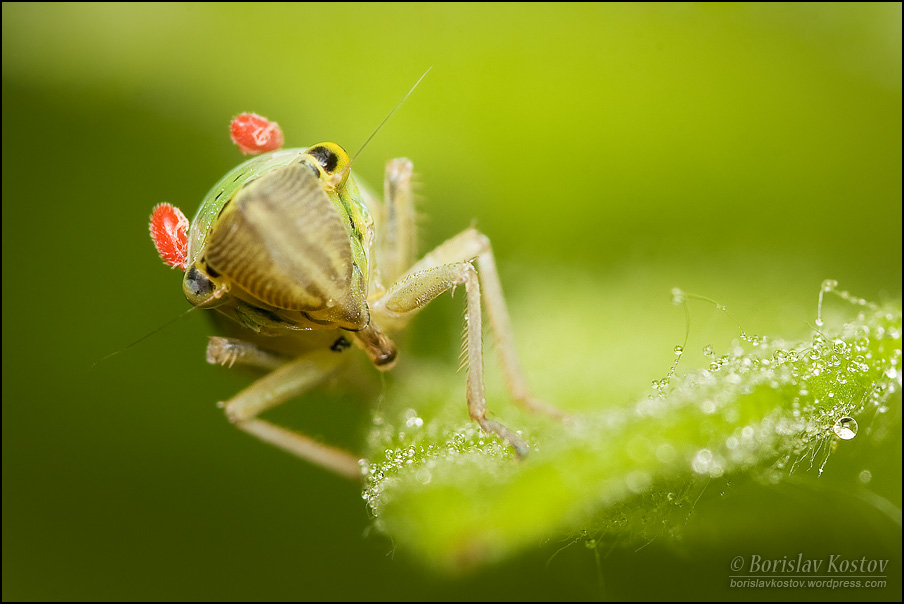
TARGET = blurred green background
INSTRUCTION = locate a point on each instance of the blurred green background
(611, 151)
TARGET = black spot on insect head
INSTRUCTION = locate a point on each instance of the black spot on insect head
(340, 344)
(324, 157)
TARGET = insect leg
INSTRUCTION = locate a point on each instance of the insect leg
(229, 351)
(287, 381)
(397, 244)
(414, 291)
(465, 246)
(501, 326)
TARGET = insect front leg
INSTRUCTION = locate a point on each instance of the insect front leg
(465, 246)
(229, 351)
(288, 380)
(416, 290)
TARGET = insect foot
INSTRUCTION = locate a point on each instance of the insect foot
(220, 351)
(516, 442)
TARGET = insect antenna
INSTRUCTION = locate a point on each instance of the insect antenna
(142, 338)
(385, 119)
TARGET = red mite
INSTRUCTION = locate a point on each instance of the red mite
(169, 230)
(256, 134)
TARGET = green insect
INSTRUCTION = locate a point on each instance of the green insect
(305, 263)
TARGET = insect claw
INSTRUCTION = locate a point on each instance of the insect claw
(515, 442)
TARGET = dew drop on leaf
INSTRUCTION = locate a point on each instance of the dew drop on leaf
(845, 428)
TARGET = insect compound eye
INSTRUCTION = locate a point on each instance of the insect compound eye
(331, 158)
(198, 283)
(325, 156)
(201, 290)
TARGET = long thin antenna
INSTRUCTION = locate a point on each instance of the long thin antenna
(141, 339)
(386, 119)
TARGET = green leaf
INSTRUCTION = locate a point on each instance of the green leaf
(768, 409)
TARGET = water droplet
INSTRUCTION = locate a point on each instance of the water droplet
(845, 428)
(678, 296)
(679, 350)
(866, 476)
(708, 350)
(702, 461)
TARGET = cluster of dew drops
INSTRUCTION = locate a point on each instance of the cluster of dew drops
(828, 374)
(838, 375)
(421, 455)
